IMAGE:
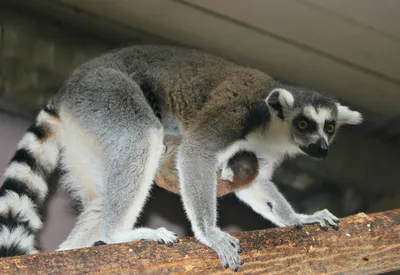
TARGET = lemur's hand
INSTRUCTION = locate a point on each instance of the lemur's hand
(226, 247)
(227, 174)
(318, 217)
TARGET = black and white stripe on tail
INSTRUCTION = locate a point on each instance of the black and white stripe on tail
(25, 187)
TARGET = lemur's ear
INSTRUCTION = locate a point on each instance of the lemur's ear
(280, 100)
(347, 116)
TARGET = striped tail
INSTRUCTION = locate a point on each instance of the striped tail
(25, 188)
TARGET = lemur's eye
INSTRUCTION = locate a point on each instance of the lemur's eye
(302, 124)
(330, 128)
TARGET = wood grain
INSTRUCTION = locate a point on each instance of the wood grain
(365, 244)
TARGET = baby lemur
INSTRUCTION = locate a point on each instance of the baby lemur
(244, 167)
(105, 128)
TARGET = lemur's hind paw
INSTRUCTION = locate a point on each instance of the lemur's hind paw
(160, 235)
(319, 217)
(163, 235)
(99, 243)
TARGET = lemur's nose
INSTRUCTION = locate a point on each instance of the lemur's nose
(322, 147)
(318, 149)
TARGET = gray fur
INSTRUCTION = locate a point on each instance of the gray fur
(115, 109)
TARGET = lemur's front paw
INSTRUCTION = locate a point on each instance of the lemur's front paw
(227, 174)
(226, 247)
(318, 217)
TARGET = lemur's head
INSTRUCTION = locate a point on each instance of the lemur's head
(312, 119)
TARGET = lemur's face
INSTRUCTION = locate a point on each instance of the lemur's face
(313, 120)
(313, 129)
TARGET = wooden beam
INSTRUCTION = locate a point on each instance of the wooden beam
(365, 244)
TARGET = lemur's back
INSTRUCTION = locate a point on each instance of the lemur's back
(181, 79)
(173, 68)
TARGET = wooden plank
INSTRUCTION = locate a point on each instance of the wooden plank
(365, 244)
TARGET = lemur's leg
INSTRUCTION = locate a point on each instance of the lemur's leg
(86, 231)
(160, 235)
(128, 185)
(128, 138)
(87, 227)
(197, 163)
(265, 199)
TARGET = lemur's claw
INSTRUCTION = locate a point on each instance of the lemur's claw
(98, 243)
(320, 217)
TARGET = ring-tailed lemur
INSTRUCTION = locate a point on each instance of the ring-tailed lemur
(105, 127)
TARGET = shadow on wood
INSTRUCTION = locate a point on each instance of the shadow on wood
(365, 244)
